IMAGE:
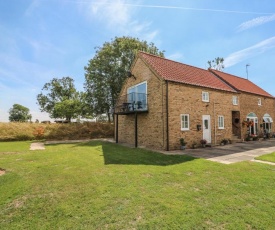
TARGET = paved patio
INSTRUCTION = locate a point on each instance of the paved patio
(232, 153)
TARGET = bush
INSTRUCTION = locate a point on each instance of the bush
(72, 131)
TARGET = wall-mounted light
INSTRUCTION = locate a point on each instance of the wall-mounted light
(198, 127)
(129, 74)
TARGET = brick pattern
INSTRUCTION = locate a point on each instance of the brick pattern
(186, 99)
(151, 125)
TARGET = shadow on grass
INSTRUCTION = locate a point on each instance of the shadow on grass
(117, 154)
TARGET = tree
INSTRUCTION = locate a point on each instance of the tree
(19, 113)
(216, 64)
(61, 100)
(106, 72)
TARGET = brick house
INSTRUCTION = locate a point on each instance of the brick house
(163, 101)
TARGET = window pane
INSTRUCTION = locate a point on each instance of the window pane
(185, 122)
(141, 88)
(206, 124)
(205, 96)
(221, 122)
(137, 96)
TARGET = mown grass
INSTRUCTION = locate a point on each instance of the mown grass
(32, 131)
(98, 185)
(268, 157)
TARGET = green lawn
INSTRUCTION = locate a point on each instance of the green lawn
(268, 157)
(99, 185)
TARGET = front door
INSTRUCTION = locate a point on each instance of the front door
(206, 125)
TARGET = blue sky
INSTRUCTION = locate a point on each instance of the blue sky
(43, 39)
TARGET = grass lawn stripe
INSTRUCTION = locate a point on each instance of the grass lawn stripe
(100, 185)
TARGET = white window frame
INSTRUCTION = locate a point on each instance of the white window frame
(220, 122)
(205, 96)
(259, 101)
(235, 100)
(135, 87)
(253, 130)
(185, 128)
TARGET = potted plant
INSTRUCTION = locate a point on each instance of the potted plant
(182, 144)
(203, 142)
(194, 145)
(224, 142)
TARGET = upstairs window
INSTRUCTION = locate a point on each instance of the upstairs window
(235, 100)
(137, 95)
(221, 122)
(259, 101)
(205, 96)
(184, 122)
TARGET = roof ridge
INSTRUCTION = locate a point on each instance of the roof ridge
(164, 58)
(231, 75)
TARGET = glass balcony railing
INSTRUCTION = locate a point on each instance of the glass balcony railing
(130, 103)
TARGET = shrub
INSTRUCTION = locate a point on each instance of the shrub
(28, 131)
(39, 132)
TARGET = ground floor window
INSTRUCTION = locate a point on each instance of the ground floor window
(184, 122)
(267, 123)
(221, 122)
(253, 127)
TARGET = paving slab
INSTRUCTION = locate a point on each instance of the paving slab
(232, 153)
(37, 146)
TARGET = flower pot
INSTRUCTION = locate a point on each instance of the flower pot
(182, 147)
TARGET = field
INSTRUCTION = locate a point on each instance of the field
(37, 131)
(99, 185)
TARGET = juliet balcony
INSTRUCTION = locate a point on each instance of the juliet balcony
(132, 103)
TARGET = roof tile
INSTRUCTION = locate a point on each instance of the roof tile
(241, 84)
(182, 73)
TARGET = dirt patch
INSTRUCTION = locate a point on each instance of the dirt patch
(2, 172)
(9, 152)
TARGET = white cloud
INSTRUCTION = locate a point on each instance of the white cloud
(174, 7)
(255, 50)
(32, 7)
(256, 22)
(18, 71)
(175, 56)
(41, 48)
(118, 15)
